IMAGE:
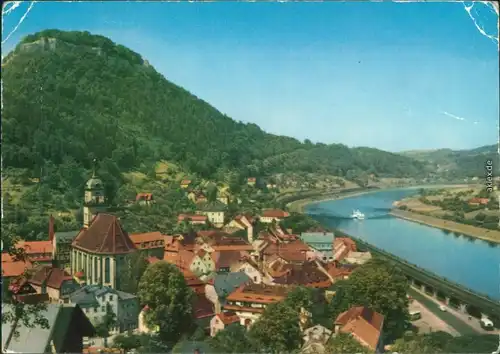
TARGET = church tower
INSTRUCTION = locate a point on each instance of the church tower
(94, 198)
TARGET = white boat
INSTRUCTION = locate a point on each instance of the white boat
(356, 214)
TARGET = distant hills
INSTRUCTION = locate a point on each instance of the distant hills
(458, 163)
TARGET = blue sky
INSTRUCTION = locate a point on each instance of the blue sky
(396, 76)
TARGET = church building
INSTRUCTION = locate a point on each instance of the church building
(101, 247)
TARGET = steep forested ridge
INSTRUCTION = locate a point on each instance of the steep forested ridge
(73, 96)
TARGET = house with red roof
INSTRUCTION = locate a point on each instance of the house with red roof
(193, 219)
(222, 320)
(151, 244)
(55, 282)
(364, 325)
(100, 251)
(270, 215)
(144, 198)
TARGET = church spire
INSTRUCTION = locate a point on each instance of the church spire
(94, 167)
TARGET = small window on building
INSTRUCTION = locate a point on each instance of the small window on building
(95, 309)
(110, 297)
(103, 308)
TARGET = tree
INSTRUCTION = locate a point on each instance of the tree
(164, 290)
(30, 315)
(345, 343)
(212, 192)
(232, 339)
(383, 288)
(130, 276)
(106, 325)
(277, 330)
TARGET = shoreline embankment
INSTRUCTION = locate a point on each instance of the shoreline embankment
(451, 226)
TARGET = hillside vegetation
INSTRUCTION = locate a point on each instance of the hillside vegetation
(457, 163)
(76, 96)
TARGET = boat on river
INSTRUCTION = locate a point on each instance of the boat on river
(356, 214)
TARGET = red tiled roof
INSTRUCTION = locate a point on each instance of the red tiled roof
(12, 267)
(228, 317)
(307, 274)
(148, 240)
(202, 307)
(35, 247)
(258, 293)
(192, 217)
(53, 277)
(226, 259)
(363, 323)
(144, 196)
(275, 213)
(185, 182)
(104, 236)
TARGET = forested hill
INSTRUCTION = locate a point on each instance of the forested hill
(458, 163)
(73, 96)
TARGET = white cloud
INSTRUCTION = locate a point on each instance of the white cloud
(453, 116)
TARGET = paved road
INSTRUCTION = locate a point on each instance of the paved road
(429, 322)
(454, 318)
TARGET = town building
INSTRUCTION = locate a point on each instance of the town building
(55, 282)
(185, 183)
(222, 321)
(144, 198)
(99, 251)
(213, 211)
(251, 181)
(251, 269)
(322, 243)
(270, 215)
(13, 267)
(307, 274)
(221, 285)
(249, 301)
(94, 300)
(315, 339)
(67, 326)
(364, 324)
(241, 222)
(150, 244)
(37, 251)
(358, 257)
(341, 248)
(61, 248)
(193, 219)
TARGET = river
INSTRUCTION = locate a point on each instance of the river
(466, 261)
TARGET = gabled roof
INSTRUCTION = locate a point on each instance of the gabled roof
(104, 236)
(365, 323)
(275, 213)
(226, 283)
(305, 274)
(226, 259)
(228, 317)
(51, 276)
(13, 267)
(31, 247)
(17, 338)
(87, 295)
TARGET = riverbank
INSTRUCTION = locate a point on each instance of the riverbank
(299, 205)
(451, 226)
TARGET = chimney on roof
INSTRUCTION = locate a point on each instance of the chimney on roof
(51, 227)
